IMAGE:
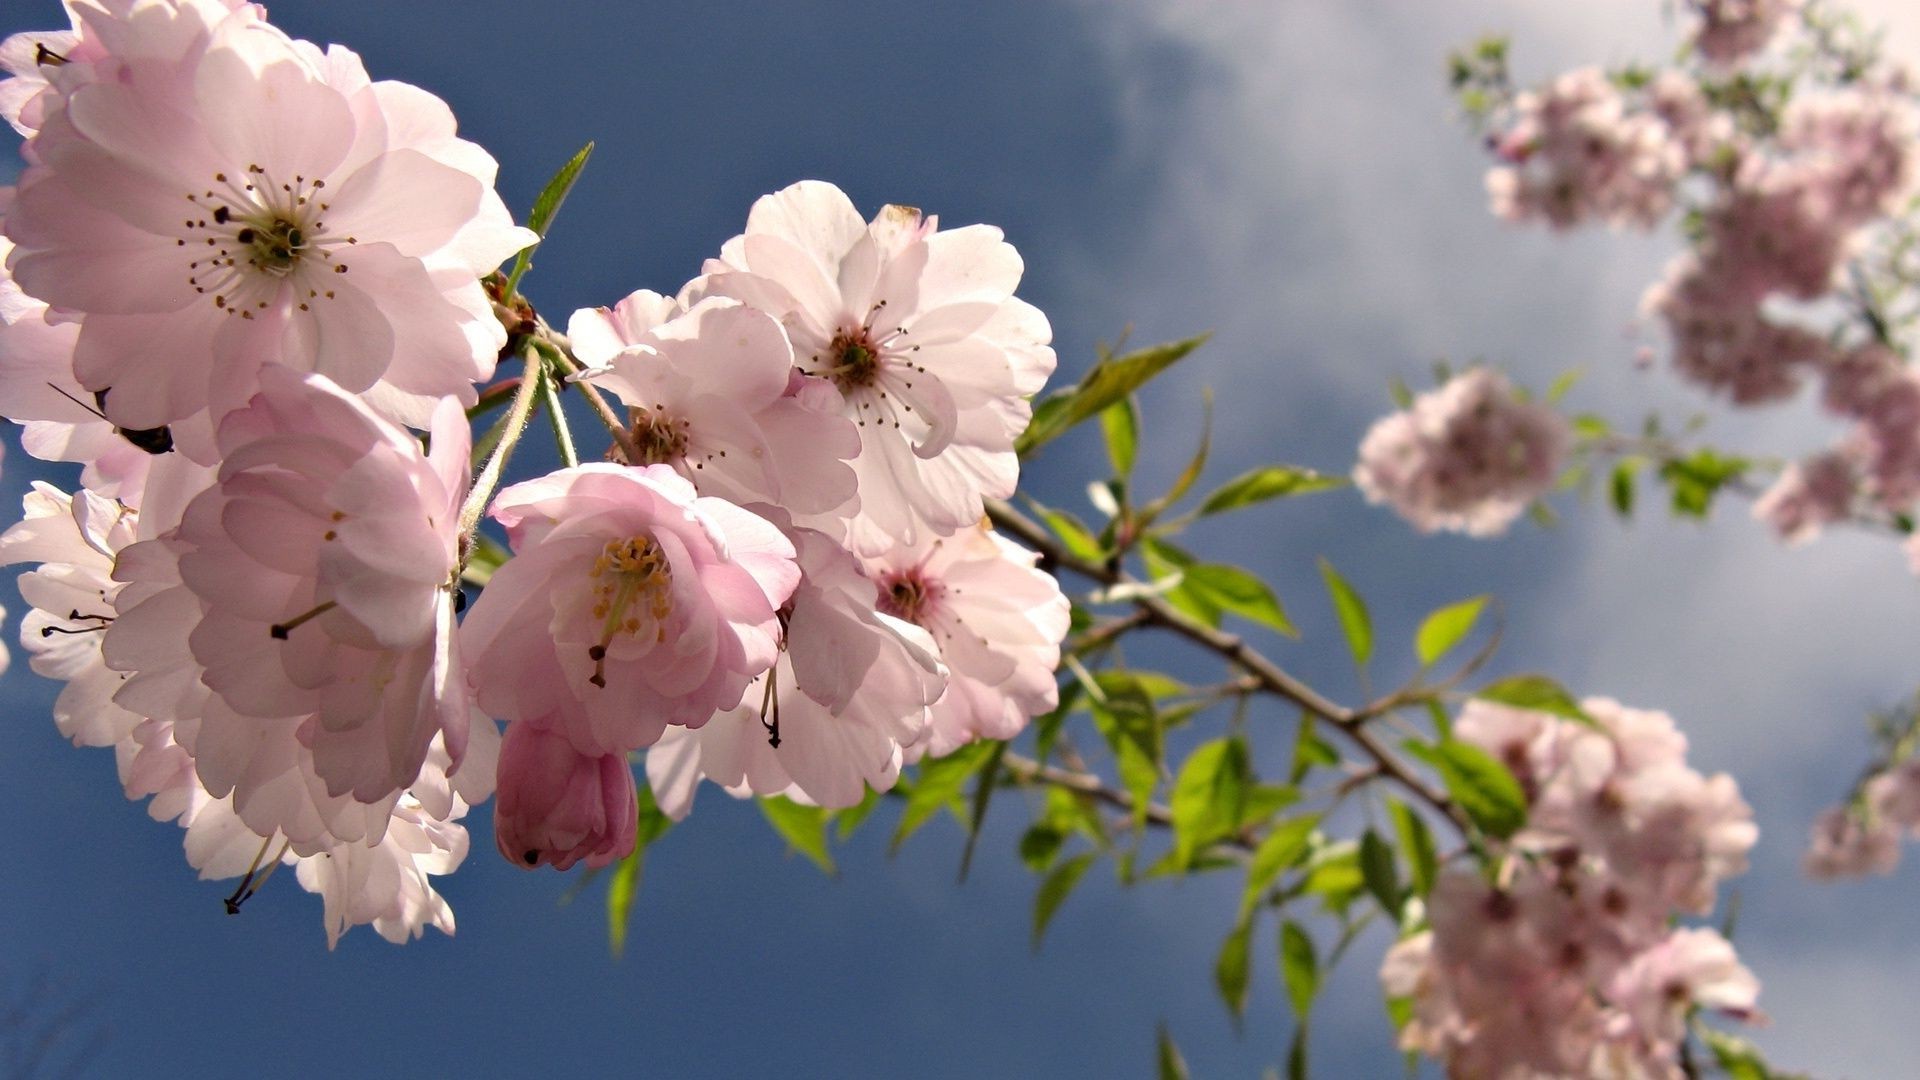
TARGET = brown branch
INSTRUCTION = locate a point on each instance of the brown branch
(1271, 677)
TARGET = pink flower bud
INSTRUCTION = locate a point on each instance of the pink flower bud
(560, 806)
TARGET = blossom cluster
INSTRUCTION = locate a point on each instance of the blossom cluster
(1561, 958)
(241, 280)
(1466, 457)
(1863, 835)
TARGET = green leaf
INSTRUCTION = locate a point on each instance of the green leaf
(1282, 849)
(621, 886)
(983, 789)
(1228, 588)
(1054, 890)
(1040, 845)
(1209, 796)
(1352, 611)
(1309, 749)
(1231, 970)
(1479, 783)
(1380, 872)
(1078, 539)
(1120, 422)
(1446, 628)
(1698, 477)
(1416, 842)
(624, 883)
(1297, 1054)
(803, 827)
(1189, 475)
(545, 208)
(1268, 482)
(940, 784)
(1562, 383)
(1738, 1058)
(1299, 966)
(1172, 1066)
(1333, 874)
(1622, 486)
(846, 821)
(1108, 382)
(1536, 692)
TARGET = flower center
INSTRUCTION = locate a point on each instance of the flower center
(908, 596)
(248, 237)
(632, 592)
(658, 439)
(856, 363)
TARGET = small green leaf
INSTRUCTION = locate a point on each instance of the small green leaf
(1171, 1065)
(1072, 532)
(1054, 890)
(1536, 692)
(1209, 796)
(803, 827)
(1189, 475)
(1381, 874)
(1120, 422)
(1446, 628)
(1283, 848)
(1479, 783)
(621, 886)
(1697, 478)
(1108, 382)
(1562, 383)
(1268, 482)
(1231, 970)
(1622, 486)
(1416, 841)
(1040, 845)
(1228, 588)
(1299, 966)
(846, 822)
(1738, 1058)
(545, 208)
(1352, 611)
(939, 785)
(1309, 749)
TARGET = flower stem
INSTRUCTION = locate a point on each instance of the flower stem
(518, 414)
(562, 434)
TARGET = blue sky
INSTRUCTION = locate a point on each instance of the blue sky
(1286, 175)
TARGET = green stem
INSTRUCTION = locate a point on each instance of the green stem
(562, 434)
(515, 424)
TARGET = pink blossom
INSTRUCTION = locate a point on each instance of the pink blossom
(1732, 30)
(324, 559)
(74, 539)
(1467, 457)
(1845, 844)
(1575, 152)
(630, 604)
(849, 700)
(997, 622)
(918, 331)
(1772, 231)
(707, 393)
(1704, 132)
(1808, 496)
(38, 390)
(1721, 339)
(212, 193)
(1858, 148)
(557, 805)
(1690, 968)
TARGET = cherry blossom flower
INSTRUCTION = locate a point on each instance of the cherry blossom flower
(324, 559)
(37, 390)
(1808, 496)
(1721, 339)
(1467, 457)
(707, 393)
(1845, 844)
(74, 539)
(1576, 152)
(214, 194)
(1732, 30)
(849, 698)
(919, 332)
(996, 621)
(631, 603)
(1857, 146)
(559, 806)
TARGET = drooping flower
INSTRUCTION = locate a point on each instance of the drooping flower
(848, 700)
(212, 196)
(559, 806)
(707, 392)
(631, 603)
(1467, 457)
(74, 539)
(919, 332)
(996, 621)
(324, 559)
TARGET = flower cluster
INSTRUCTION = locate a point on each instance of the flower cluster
(1466, 457)
(1575, 152)
(241, 277)
(1863, 836)
(1562, 958)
